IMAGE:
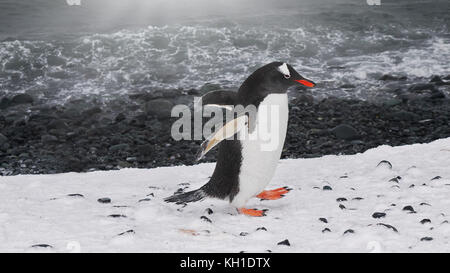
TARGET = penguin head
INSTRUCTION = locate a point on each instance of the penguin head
(275, 77)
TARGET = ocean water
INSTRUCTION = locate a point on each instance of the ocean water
(107, 49)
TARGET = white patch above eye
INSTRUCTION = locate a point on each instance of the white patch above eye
(284, 70)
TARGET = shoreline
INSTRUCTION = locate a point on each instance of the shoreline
(84, 135)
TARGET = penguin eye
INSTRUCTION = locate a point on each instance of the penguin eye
(287, 76)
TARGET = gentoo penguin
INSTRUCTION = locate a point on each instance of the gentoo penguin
(244, 166)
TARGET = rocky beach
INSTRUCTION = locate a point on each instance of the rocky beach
(80, 135)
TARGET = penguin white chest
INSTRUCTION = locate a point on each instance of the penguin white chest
(262, 147)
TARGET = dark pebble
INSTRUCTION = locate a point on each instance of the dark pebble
(206, 219)
(379, 215)
(387, 226)
(104, 200)
(145, 200)
(285, 242)
(345, 132)
(117, 216)
(425, 221)
(75, 195)
(436, 178)
(349, 231)
(341, 199)
(42, 246)
(424, 204)
(426, 239)
(327, 188)
(385, 163)
(209, 211)
(243, 234)
(130, 231)
(409, 208)
(395, 179)
(341, 206)
(324, 220)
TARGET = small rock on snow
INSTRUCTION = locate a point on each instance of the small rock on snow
(379, 215)
(327, 188)
(130, 231)
(426, 239)
(42, 245)
(104, 200)
(324, 220)
(349, 231)
(409, 208)
(388, 226)
(261, 228)
(75, 195)
(341, 199)
(424, 221)
(285, 242)
(385, 163)
(204, 218)
(209, 211)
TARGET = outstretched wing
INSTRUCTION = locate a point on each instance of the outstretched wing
(230, 129)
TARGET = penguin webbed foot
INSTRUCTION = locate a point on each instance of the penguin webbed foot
(253, 212)
(274, 194)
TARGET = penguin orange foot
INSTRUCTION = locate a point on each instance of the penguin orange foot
(253, 212)
(273, 194)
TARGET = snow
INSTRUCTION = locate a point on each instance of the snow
(37, 209)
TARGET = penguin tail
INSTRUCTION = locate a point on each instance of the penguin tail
(187, 197)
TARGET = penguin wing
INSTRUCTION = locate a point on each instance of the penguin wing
(219, 98)
(227, 131)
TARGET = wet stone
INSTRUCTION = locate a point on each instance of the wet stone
(104, 200)
(385, 163)
(206, 219)
(348, 231)
(42, 246)
(377, 215)
(117, 216)
(128, 232)
(409, 208)
(395, 179)
(75, 195)
(209, 211)
(387, 226)
(285, 242)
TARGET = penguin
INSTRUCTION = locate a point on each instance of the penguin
(244, 165)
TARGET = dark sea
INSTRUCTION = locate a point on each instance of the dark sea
(110, 48)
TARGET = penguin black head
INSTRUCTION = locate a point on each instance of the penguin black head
(275, 77)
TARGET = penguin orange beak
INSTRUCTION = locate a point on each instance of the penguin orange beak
(306, 82)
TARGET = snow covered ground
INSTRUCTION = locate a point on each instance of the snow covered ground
(61, 213)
